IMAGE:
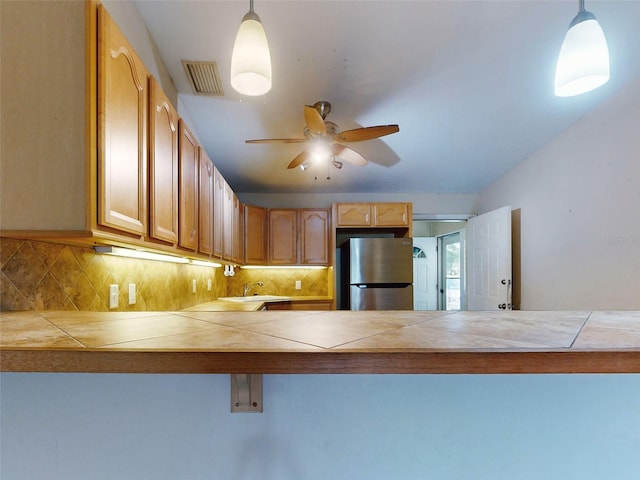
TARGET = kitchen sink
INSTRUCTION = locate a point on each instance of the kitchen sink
(256, 298)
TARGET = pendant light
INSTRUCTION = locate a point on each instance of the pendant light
(251, 60)
(583, 63)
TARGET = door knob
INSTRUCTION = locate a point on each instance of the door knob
(502, 306)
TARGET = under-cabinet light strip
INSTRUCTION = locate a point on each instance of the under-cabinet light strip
(144, 255)
(284, 267)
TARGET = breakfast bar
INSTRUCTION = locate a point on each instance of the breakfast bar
(321, 342)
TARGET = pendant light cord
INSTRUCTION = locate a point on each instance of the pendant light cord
(580, 5)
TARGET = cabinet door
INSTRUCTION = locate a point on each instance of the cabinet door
(205, 206)
(391, 214)
(163, 166)
(255, 235)
(218, 213)
(227, 223)
(237, 249)
(122, 130)
(189, 168)
(311, 305)
(283, 228)
(314, 237)
(353, 214)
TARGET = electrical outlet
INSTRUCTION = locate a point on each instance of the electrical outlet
(132, 294)
(298, 284)
(208, 284)
(113, 296)
(193, 285)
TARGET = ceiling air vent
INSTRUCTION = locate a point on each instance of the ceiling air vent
(203, 77)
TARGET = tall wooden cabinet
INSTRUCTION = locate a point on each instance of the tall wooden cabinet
(237, 242)
(313, 236)
(255, 235)
(189, 195)
(283, 236)
(122, 129)
(218, 213)
(227, 222)
(205, 206)
(163, 166)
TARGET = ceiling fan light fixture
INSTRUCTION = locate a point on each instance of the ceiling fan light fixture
(319, 151)
(251, 59)
(336, 164)
(304, 166)
(583, 63)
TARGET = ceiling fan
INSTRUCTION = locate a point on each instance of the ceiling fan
(324, 140)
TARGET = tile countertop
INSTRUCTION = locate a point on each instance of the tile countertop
(321, 342)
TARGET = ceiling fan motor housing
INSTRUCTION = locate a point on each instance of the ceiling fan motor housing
(323, 108)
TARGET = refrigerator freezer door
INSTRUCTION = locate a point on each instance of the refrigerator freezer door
(381, 260)
(382, 298)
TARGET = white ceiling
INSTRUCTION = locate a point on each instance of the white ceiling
(469, 82)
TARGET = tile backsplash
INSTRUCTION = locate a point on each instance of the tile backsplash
(48, 276)
(280, 281)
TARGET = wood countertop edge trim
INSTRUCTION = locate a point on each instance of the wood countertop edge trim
(332, 362)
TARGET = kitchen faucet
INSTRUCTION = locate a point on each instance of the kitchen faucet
(246, 288)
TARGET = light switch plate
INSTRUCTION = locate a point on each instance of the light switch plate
(132, 294)
(298, 284)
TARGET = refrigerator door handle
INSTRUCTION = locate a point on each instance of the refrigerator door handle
(381, 285)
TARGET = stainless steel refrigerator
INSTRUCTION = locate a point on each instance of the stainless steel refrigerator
(381, 273)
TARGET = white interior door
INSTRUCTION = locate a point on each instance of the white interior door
(425, 277)
(489, 261)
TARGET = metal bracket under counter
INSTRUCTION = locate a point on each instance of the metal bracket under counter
(246, 393)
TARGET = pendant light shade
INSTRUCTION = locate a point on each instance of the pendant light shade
(251, 60)
(583, 63)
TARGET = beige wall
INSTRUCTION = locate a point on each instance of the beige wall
(42, 81)
(580, 212)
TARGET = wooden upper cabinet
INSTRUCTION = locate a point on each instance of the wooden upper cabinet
(205, 207)
(283, 231)
(237, 231)
(122, 132)
(299, 236)
(313, 238)
(218, 213)
(391, 214)
(189, 195)
(227, 222)
(163, 166)
(353, 214)
(255, 235)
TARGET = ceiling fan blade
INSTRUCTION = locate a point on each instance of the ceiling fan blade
(366, 133)
(277, 140)
(349, 155)
(299, 160)
(314, 121)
